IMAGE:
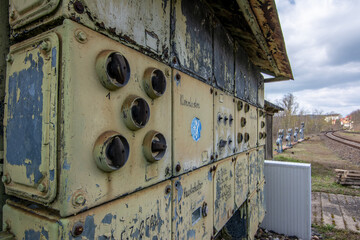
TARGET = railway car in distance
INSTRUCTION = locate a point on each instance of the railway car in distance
(136, 119)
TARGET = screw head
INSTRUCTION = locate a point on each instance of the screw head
(79, 7)
(178, 167)
(42, 187)
(168, 189)
(81, 36)
(45, 46)
(78, 229)
(6, 179)
(80, 199)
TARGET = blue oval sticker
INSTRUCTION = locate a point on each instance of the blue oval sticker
(196, 129)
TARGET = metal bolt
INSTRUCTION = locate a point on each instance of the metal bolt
(6, 179)
(78, 229)
(9, 58)
(81, 36)
(79, 7)
(41, 187)
(178, 77)
(45, 46)
(80, 199)
(167, 189)
(178, 167)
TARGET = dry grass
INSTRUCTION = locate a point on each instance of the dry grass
(323, 162)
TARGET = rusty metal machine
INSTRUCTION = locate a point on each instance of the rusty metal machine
(136, 119)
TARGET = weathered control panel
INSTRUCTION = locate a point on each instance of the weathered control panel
(136, 119)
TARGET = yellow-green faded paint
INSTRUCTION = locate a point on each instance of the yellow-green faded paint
(223, 192)
(241, 178)
(260, 163)
(142, 215)
(193, 209)
(261, 201)
(192, 143)
(253, 214)
(224, 125)
(147, 22)
(253, 170)
(30, 123)
(86, 109)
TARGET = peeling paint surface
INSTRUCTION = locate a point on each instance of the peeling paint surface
(223, 193)
(260, 163)
(253, 170)
(24, 119)
(188, 220)
(261, 201)
(142, 215)
(30, 119)
(192, 38)
(241, 179)
(191, 99)
(224, 124)
(223, 59)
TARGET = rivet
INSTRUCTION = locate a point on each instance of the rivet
(81, 36)
(79, 7)
(41, 187)
(211, 91)
(45, 46)
(178, 77)
(78, 229)
(178, 167)
(6, 179)
(79, 199)
(167, 189)
(167, 72)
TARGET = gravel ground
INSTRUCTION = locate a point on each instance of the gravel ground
(263, 234)
(344, 152)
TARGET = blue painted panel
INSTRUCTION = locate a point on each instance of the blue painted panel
(24, 120)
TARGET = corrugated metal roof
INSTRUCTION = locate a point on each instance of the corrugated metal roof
(255, 25)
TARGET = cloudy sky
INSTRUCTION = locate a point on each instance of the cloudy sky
(323, 44)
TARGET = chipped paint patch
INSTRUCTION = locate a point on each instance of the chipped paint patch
(25, 117)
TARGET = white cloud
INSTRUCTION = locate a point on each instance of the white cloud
(322, 39)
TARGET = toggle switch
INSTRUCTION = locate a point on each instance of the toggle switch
(154, 83)
(111, 151)
(113, 70)
(243, 122)
(136, 112)
(154, 146)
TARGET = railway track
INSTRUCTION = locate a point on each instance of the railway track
(348, 142)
